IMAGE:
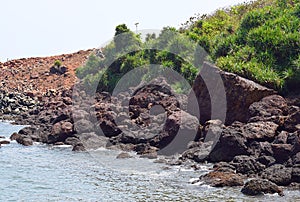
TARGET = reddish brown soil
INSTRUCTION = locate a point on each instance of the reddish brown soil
(33, 74)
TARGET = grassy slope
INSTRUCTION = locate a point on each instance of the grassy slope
(258, 40)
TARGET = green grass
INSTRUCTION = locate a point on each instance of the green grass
(259, 40)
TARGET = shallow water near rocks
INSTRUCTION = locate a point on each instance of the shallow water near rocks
(46, 173)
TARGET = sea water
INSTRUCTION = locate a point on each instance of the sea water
(46, 173)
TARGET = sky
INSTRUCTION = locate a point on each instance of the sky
(34, 28)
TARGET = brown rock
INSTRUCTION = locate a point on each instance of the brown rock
(4, 142)
(260, 130)
(212, 78)
(281, 152)
(223, 179)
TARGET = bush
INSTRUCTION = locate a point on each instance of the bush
(57, 63)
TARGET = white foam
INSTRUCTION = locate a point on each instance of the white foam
(57, 146)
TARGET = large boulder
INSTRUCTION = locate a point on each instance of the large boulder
(279, 174)
(208, 87)
(259, 186)
(231, 143)
(60, 132)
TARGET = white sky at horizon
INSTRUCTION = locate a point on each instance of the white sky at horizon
(34, 28)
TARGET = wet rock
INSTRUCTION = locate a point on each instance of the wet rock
(4, 142)
(152, 155)
(247, 165)
(222, 179)
(79, 147)
(260, 186)
(279, 174)
(72, 141)
(124, 155)
(26, 141)
(60, 131)
(235, 86)
(199, 153)
(14, 136)
(59, 143)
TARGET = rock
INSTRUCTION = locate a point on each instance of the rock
(84, 126)
(260, 186)
(224, 167)
(59, 143)
(279, 174)
(14, 136)
(60, 132)
(266, 160)
(247, 165)
(235, 86)
(222, 179)
(296, 173)
(80, 114)
(230, 144)
(296, 158)
(199, 153)
(79, 147)
(72, 141)
(281, 152)
(4, 142)
(292, 123)
(152, 155)
(271, 108)
(212, 130)
(58, 69)
(92, 141)
(124, 155)
(281, 138)
(67, 127)
(180, 128)
(26, 141)
(261, 149)
(265, 131)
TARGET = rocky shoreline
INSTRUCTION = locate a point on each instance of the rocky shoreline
(259, 139)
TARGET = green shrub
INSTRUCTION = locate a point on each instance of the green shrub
(57, 63)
